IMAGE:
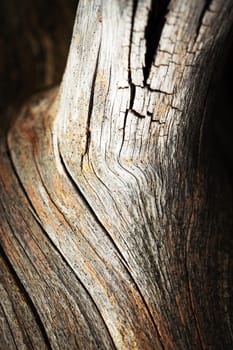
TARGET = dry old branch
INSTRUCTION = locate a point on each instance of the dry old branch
(111, 236)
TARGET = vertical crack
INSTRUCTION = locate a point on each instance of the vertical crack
(203, 12)
(90, 109)
(132, 95)
(134, 10)
(156, 21)
(132, 86)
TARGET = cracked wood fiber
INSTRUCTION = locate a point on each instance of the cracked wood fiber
(111, 236)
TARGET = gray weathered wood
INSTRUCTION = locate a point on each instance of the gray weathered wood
(110, 233)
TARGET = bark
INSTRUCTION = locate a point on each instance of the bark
(116, 223)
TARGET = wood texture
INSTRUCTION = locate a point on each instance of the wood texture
(115, 223)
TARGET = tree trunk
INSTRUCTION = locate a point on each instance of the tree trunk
(116, 222)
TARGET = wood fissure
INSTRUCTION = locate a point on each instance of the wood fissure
(156, 21)
(205, 8)
(90, 109)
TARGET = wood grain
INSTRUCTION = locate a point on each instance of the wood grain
(111, 234)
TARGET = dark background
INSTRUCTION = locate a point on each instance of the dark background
(34, 43)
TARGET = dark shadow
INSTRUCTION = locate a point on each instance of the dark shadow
(34, 42)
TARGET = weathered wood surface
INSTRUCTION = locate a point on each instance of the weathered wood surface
(111, 234)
